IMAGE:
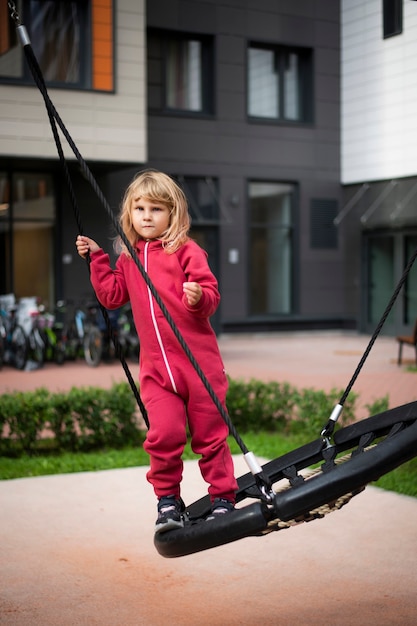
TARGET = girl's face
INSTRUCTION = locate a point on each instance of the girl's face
(149, 219)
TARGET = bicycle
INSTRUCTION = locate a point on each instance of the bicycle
(82, 336)
(51, 331)
(110, 335)
(37, 346)
(13, 337)
(92, 338)
(2, 342)
(127, 333)
(28, 317)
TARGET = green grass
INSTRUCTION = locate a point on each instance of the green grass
(401, 480)
(68, 463)
(264, 445)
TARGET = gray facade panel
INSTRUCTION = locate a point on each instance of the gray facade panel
(327, 33)
(230, 49)
(280, 28)
(301, 8)
(327, 88)
(326, 63)
(236, 150)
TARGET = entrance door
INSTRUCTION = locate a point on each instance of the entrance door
(381, 279)
(27, 226)
(386, 257)
(410, 291)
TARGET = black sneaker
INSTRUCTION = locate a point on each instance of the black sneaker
(220, 507)
(169, 514)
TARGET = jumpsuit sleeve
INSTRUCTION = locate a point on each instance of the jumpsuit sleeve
(196, 268)
(109, 284)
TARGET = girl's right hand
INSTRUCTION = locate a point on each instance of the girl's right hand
(86, 245)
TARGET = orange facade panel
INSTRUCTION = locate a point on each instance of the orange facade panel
(4, 27)
(102, 27)
(103, 13)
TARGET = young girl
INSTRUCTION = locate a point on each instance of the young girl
(154, 217)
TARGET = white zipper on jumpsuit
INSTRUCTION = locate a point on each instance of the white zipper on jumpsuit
(155, 324)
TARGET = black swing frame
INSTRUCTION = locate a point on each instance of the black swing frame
(378, 444)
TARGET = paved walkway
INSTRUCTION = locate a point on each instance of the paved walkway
(321, 360)
(78, 549)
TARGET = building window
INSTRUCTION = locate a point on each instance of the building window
(271, 208)
(392, 17)
(203, 199)
(205, 210)
(183, 75)
(280, 83)
(72, 41)
(180, 72)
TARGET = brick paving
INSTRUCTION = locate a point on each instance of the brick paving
(320, 360)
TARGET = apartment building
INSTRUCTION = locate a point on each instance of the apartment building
(238, 100)
(379, 159)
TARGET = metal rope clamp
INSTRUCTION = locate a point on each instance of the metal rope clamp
(20, 29)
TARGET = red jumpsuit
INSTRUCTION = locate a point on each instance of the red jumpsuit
(171, 390)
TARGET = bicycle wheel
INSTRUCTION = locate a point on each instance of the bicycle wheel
(59, 352)
(19, 348)
(36, 347)
(93, 346)
(2, 340)
(60, 345)
(72, 342)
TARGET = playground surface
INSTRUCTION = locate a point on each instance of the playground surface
(78, 548)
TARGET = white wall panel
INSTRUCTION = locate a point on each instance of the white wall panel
(105, 127)
(379, 94)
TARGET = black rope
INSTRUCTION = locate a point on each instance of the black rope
(36, 72)
(380, 325)
(52, 112)
(329, 427)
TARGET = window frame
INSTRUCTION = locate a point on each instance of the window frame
(392, 18)
(199, 215)
(305, 87)
(292, 230)
(93, 45)
(164, 38)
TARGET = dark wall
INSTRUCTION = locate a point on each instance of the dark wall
(229, 147)
(95, 223)
(235, 150)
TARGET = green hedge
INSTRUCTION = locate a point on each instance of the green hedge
(275, 406)
(84, 418)
(91, 417)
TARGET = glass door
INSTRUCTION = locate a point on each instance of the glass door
(386, 257)
(410, 290)
(381, 278)
(27, 228)
(271, 247)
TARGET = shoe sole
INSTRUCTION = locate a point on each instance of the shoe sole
(213, 516)
(170, 524)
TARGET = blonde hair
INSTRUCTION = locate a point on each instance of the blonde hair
(161, 188)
